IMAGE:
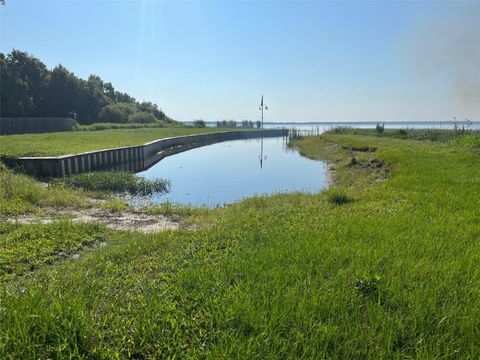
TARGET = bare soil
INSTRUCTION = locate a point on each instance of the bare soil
(126, 220)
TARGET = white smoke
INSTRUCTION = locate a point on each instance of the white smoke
(449, 49)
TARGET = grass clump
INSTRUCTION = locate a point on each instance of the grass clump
(118, 182)
(338, 196)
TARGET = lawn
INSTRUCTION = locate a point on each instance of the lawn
(384, 265)
(73, 142)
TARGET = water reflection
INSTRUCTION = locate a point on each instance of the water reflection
(229, 171)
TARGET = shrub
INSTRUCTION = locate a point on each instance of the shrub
(380, 128)
(338, 197)
(142, 117)
(116, 113)
(199, 123)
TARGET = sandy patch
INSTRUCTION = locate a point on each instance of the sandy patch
(126, 220)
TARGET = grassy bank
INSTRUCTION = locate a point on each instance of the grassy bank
(61, 143)
(383, 266)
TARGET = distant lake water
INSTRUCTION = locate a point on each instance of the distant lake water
(226, 172)
(320, 127)
(326, 125)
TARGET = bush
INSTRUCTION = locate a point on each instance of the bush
(142, 118)
(120, 182)
(116, 113)
(380, 128)
(199, 123)
(338, 197)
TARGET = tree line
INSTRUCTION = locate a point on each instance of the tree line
(29, 89)
(229, 124)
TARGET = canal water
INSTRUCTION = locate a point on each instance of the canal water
(226, 172)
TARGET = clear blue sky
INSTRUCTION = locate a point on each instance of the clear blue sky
(311, 60)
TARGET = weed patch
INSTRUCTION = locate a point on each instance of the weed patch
(118, 182)
(338, 197)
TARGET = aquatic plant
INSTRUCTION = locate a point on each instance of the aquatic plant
(117, 182)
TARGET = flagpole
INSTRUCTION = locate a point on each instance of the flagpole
(262, 111)
(261, 141)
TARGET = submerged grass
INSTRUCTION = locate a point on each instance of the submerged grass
(117, 182)
(393, 274)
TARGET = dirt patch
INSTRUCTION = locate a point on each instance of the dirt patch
(127, 220)
(331, 174)
(360, 148)
(374, 164)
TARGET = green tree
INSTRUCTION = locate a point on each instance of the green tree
(116, 113)
(61, 93)
(22, 81)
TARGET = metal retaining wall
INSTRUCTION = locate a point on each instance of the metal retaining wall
(131, 158)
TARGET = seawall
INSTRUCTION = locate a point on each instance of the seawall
(132, 158)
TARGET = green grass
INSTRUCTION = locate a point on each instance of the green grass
(73, 142)
(441, 135)
(393, 274)
(27, 247)
(117, 182)
(20, 194)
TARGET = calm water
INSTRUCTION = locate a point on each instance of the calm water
(226, 172)
(314, 127)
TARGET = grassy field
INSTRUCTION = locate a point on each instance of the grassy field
(73, 142)
(384, 265)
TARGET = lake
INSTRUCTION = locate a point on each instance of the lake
(226, 172)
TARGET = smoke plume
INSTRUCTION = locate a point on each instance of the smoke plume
(449, 51)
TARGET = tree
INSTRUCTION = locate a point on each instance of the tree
(116, 113)
(61, 94)
(199, 123)
(142, 117)
(93, 98)
(29, 89)
(23, 78)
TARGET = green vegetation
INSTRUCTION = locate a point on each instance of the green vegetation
(117, 182)
(392, 274)
(413, 134)
(20, 194)
(110, 126)
(199, 123)
(27, 247)
(338, 197)
(29, 89)
(76, 142)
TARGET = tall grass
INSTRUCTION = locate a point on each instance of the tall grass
(119, 182)
(21, 194)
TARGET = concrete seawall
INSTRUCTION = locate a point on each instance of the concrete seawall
(132, 158)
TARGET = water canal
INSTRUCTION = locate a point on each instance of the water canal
(226, 172)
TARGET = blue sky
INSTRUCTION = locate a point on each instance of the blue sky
(311, 60)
